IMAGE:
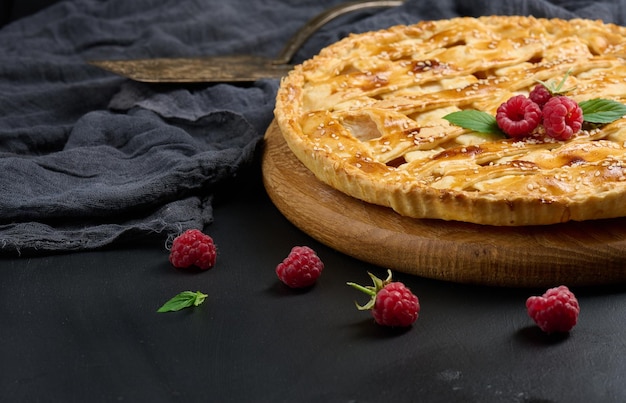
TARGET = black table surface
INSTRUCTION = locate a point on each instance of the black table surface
(83, 327)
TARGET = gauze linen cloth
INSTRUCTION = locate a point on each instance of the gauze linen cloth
(89, 159)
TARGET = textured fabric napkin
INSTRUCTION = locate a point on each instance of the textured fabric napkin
(89, 159)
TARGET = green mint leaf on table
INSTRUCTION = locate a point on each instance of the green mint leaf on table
(477, 121)
(599, 110)
(183, 300)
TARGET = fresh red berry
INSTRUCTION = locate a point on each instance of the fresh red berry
(540, 95)
(562, 117)
(518, 116)
(301, 268)
(193, 248)
(391, 302)
(395, 306)
(556, 311)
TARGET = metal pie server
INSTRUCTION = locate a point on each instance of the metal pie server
(236, 68)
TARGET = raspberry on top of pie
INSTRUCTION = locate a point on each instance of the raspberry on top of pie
(366, 116)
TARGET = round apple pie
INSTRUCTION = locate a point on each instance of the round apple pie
(371, 116)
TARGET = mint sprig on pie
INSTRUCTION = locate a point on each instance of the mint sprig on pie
(595, 110)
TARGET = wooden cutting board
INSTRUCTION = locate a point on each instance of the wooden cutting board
(574, 254)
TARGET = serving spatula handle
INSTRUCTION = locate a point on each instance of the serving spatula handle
(315, 23)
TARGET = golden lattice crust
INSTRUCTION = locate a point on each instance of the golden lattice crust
(365, 116)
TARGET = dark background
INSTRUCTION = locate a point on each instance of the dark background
(12, 10)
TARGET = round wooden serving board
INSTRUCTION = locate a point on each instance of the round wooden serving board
(574, 254)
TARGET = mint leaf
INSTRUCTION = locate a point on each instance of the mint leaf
(599, 110)
(558, 89)
(183, 300)
(477, 121)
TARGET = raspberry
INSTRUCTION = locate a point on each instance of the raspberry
(540, 95)
(395, 305)
(562, 117)
(301, 268)
(556, 311)
(518, 116)
(193, 248)
(392, 303)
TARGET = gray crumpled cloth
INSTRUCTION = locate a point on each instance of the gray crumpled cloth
(89, 159)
